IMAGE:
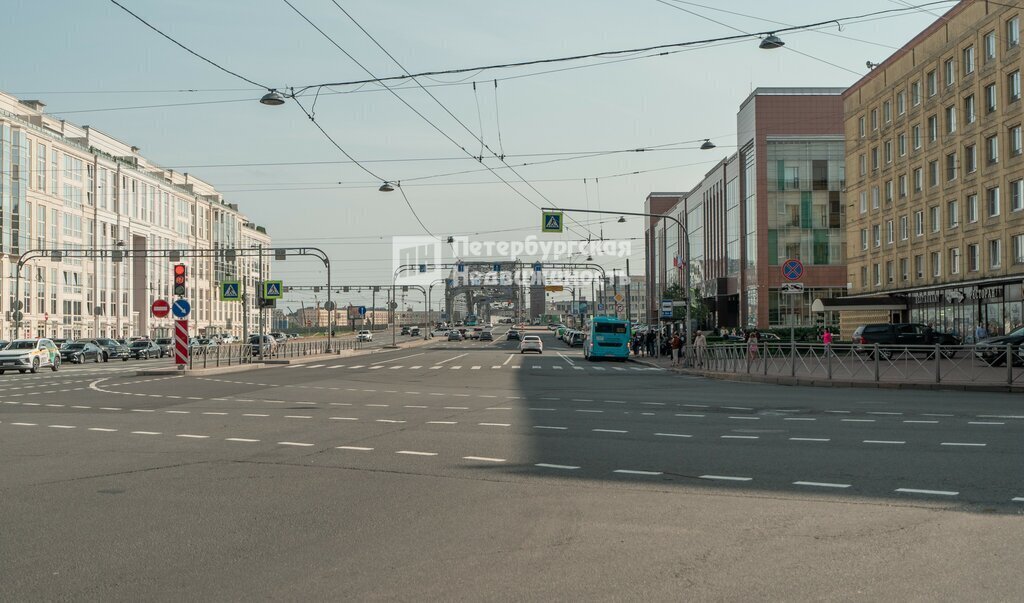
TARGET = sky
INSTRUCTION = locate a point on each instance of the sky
(94, 64)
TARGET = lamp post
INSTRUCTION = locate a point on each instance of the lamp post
(686, 255)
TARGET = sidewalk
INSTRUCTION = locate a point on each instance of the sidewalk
(807, 378)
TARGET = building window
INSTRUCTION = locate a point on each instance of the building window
(919, 266)
(969, 110)
(1013, 32)
(915, 135)
(992, 201)
(933, 128)
(901, 102)
(973, 258)
(949, 72)
(933, 218)
(864, 238)
(863, 202)
(903, 185)
(932, 80)
(1018, 249)
(887, 112)
(915, 93)
(888, 152)
(874, 197)
(971, 158)
(904, 228)
(863, 162)
(918, 180)
(919, 223)
(874, 119)
(990, 46)
(904, 269)
(992, 150)
(888, 192)
(1016, 195)
(874, 159)
(950, 119)
(860, 127)
(888, 232)
(991, 98)
(968, 59)
(972, 209)
(995, 253)
(877, 271)
(933, 173)
(901, 144)
(953, 214)
(1013, 87)
(876, 234)
(951, 167)
(864, 276)
(888, 272)
(954, 260)
(936, 264)
(1015, 141)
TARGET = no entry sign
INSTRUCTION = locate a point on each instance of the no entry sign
(160, 308)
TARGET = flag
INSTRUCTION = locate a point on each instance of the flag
(678, 262)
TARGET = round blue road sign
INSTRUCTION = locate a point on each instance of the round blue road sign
(181, 308)
(792, 270)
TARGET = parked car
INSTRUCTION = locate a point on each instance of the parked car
(896, 337)
(280, 337)
(144, 349)
(78, 352)
(165, 344)
(512, 334)
(364, 336)
(29, 355)
(993, 349)
(475, 333)
(112, 349)
(405, 331)
(414, 332)
(455, 335)
(531, 343)
(486, 336)
(574, 339)
(269, 345)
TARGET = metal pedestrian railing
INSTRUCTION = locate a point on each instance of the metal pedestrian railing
(246, 353)
(992, 365)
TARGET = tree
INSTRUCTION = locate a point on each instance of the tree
(698, 309)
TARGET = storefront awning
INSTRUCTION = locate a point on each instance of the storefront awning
(838, 304)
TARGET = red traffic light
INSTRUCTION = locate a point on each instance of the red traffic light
(179, 270)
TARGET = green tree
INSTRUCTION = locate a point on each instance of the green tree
(698, 309)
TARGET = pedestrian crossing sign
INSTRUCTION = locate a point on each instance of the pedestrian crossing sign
(230, 291)
(552, 221)
(273, 289)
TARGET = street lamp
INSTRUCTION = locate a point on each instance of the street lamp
(771, 42)
(272, 98)
(386, 188)
(708, 145)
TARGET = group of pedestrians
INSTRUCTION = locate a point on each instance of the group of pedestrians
(644, 344)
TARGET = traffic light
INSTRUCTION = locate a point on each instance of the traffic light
(179, 279)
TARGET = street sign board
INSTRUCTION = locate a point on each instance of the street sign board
(792, 269)
(330, 306)
(230, 291)
(620, 308)
(362, 310)
(600, 307)
(273, 289)
(552, 221)
(791, 288)
(666, 308)
(160, 308)
(181, 341)
(538, 267)
(554, 288)
(181, 308)
(619, 297)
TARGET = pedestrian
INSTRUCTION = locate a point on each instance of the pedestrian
(826, 338)
(636, 344)
(675, 344)
(752, 339)
(700, 348)
(980, 333)
(651, 342)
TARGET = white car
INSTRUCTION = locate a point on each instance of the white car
(29, 355)
(364, 336)
(531, 343)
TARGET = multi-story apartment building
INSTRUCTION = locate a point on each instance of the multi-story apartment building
(935, 163)
(70, 187)
(779, 197)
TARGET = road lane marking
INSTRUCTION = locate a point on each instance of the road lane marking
(610, 430)
(799, 419)
(935, 492)
(484, 459)
(359, 448)
(475, 368)
(455, 367)
(254, 414)
(400, 358)
(507, 360)
(316, 366)
(294, 444)
(550, 427)
(495, 424)
(389, 421)
(396, 367)
(456, 408)
(215, 413)
(146, 432)
(1017, 499)
(25, 424)
(839, 412)
(746, 418)
(728, 478)
(919, 421)
(297, 416)
(178, 412)
(240, 440)
(442, 422)
(985, 423)
(542, 409)
(495, 366)
(376, 367)
(377, 405)
(637, 472)
(674, 435)
(811, 439)
(416, 452)
(434, 368)
(963, 444)
(551, 466)
(62, 426)
(357, 366)
(1000, 416)
(689, 415)
(740, 437)
(586, 410)
(884, 442)
(858, 420)
(415, 406)
(821, 484)
(192, 435)
(107, 429)
(452, 358)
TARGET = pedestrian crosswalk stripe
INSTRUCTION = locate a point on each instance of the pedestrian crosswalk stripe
(337, 366)
(474, 368)
(415, 367)
(316, 366)
(455, 368)
(434, 368)
(537, 366)
(379, 366)
(496, 366)
(618, 368)
(295, 366)
(578, 368)
(598, 368)
(397, 366)
(557, 368)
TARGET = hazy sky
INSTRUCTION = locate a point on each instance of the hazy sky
(93, 64)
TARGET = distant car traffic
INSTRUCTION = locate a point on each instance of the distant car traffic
(112, 349)
(165, 344)
(454, 335)
(79, 351)
(144, 349)
(486, 336)
(531, 343)
(512, 335)
(364, 336)
(993, 349)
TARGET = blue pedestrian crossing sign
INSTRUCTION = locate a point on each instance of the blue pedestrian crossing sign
(362, 310)
(552, 221)
(230, 291)
(181, 308)
(273, 289)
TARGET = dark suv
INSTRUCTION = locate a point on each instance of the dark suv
(893, 338)
(993, 350)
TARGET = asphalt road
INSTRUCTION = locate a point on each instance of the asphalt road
(467, 471)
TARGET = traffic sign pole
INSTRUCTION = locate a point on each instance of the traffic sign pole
(181, 344)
